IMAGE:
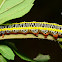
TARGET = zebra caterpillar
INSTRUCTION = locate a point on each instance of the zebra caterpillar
(35, 28)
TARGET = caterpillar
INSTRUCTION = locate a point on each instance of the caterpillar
(34, 27)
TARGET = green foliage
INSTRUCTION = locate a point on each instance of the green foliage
(12, 9)
(7, 52)
(22, 56)
(42, 58)
(2, 59)
(1, 3)
(60, 45)
(8, 22)
(59, 39)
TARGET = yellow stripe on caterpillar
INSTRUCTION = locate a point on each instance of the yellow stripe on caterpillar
(35, 27)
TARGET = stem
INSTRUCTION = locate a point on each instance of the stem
(19, 36)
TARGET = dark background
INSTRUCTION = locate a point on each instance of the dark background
(43, 10)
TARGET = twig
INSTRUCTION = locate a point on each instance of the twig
(20, 36)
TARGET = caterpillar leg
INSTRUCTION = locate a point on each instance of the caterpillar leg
(2, 35)
(55, 36)
(35, 32)
(45, 34)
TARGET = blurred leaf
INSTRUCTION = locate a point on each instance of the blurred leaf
(59, 39)
(20, 54)
(7, 52)
(39, 58)
(1, 2)
(12, 9)
(42, 58)
(2, 59)
(60, 45)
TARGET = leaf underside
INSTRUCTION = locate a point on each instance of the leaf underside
(12, 9)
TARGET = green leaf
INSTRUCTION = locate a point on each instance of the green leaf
(17, 14)
(1, 2)
(9, 4)
(60, 45)
(42, 58)
(59, 39)
(20, 54)
(2, 59)
(7, 52)
(14, 9)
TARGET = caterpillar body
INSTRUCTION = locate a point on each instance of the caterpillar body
(34, 27)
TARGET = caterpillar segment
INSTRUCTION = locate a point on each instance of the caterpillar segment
(44, 32)
(35, 32)
(35, 28)
(55, 34)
